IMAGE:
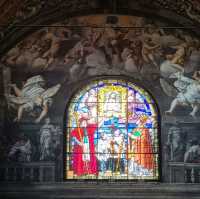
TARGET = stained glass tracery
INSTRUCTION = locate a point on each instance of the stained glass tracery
(112, 133)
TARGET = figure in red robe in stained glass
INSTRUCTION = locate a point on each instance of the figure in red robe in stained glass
(142, 150)
(84, 160)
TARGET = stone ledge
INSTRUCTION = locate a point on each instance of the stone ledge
(100, 190)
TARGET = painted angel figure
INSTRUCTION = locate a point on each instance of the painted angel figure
(32, 95)
(185, 90)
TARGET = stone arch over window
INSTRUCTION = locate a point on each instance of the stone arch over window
(112, 132)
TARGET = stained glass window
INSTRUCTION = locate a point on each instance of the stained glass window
(112, 133)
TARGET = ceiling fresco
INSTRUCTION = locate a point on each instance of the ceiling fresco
(17, 16)
(63, 55)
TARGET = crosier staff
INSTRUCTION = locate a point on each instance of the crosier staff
(78, 127)
(119, 154)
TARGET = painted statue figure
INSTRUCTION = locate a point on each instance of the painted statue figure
(175, 144)
(21, 151)
(46, 135)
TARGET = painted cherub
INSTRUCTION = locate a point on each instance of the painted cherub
(148, 50)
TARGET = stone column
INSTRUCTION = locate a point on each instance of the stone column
(1, 101)
(5, 78)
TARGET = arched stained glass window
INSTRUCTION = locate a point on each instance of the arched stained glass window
(112, 133)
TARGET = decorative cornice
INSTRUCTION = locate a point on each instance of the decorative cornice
(186, 8)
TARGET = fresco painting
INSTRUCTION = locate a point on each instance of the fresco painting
(44, 70)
